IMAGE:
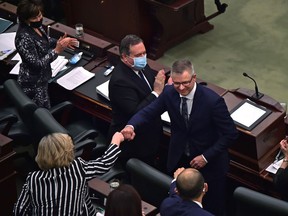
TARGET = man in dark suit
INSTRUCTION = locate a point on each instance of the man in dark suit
(134, 85)
(186, 193)
(201, 130)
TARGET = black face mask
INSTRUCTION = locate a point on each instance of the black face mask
(37, 24)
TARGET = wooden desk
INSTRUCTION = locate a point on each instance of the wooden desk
(160, 25)
(256, 149)
(89, 43)
(104, 189)
(8, 190)
(8, 11)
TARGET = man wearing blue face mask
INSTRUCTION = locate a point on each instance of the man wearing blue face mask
(134, 85)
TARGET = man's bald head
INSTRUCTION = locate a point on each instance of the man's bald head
(190, 184)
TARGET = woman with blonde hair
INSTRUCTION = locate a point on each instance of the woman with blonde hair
(60, 187)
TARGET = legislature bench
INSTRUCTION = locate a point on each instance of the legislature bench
(160, 25)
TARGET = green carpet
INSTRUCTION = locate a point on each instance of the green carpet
(251, 36)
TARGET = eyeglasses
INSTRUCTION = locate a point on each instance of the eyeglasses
(185, 83)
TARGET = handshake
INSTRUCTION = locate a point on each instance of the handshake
(128, 132)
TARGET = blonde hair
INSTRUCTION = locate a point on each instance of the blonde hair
(55, 150)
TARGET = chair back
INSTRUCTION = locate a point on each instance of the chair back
(44, 123)
(20, 100)
(152, 185)
(251, 203)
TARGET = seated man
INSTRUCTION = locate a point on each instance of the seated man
(281, 177)
(186, 193)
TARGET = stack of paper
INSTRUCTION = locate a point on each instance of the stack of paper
(58, 65)
(7, 44)
(5, 53)
(74, 78)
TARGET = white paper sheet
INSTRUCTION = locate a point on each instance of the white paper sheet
(272, 168)
(103, 89)
(247, 114)
(74, 78)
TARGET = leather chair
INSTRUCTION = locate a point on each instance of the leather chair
(250, 203)
(152, 185)
(44, 123)
(6, 122)
(78, 129)
(20, 106)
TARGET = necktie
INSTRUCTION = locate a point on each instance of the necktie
(185, 110)
(186, 118)
(143, 78)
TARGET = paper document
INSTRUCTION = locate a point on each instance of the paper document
(15, 69)
(74, 78)
(58, 64)
(165, 117)
(7, 45)
(7, 41)
(103, 89)
(274, 166)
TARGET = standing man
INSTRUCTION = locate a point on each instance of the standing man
(201, 130)
(186, 194)
(133, 86)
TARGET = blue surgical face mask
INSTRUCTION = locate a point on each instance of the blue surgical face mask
(139, 62)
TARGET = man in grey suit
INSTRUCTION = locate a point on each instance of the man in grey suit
(201, 130)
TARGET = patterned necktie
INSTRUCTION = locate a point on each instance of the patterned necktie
(185, 110)
(186, 118)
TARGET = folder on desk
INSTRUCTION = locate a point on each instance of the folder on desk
(4, 24)
(103, 89)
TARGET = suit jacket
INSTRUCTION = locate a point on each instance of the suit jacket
(176, 206)
(129, 94)
(210, 128)
(280, 182)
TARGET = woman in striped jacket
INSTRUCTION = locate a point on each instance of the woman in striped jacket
(60, 187)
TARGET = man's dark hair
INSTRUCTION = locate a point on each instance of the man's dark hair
(127, 42)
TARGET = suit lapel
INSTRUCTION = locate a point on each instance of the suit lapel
(195, 106)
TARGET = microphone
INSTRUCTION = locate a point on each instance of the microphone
(257, 94)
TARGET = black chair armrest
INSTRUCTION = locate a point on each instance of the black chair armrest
(116, 172)
(67, 105)
(84, 148)
(8, 120)
(89, 134)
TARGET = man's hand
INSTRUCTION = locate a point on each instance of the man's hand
(128, 132)
(198, 162)
(159, 82)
